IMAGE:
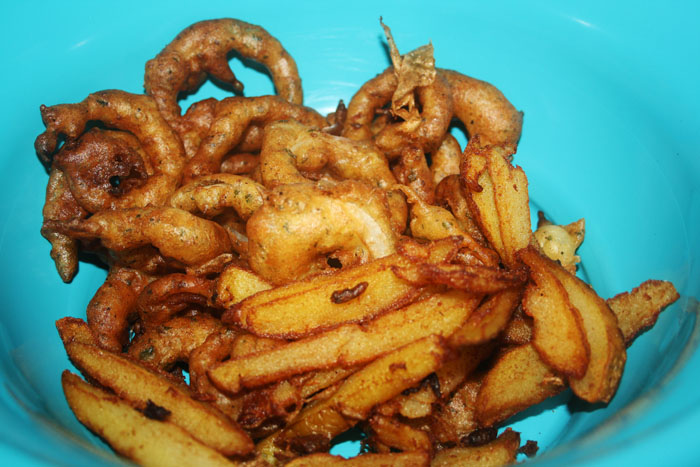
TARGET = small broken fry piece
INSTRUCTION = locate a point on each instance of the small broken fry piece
(394, 459)
(638, 310)
(499, 452)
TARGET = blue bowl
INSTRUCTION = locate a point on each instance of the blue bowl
(610, 96)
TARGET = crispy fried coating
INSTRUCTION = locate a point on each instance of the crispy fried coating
(202, 49)
(412, 170)
(240, 163)
(427, 133)
(290, 150)
(176, 233)
(110, 311)
(300, 225)
(446, 159)
(210, 195)
(168, 295)
(483, 109)
(233, 116)
(449, 194)
(107, 169)
(121, 110)
(174, 340)
(60, 205)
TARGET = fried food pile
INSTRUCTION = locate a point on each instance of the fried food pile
(278, 277)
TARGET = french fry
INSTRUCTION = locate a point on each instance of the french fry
(350, 344)
(236, 284)
(518, 380)
(608, 356)
(638, 309)
(397, 459)
(499, 452)
(308, 306)
(487, 321)
(378, 382)
(558, 333)
(497, 194)
(392, 433)
(139, 386)
(147, 441)
(457, 417)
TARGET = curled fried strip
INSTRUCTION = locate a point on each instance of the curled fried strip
(168, 295)
(61, 205)
(483, 109)
(291, 149)
(110, 310)
(134, 113)
(211, 194)
(301, 224)
(233, 116)
(202, 49)
(173, 341)
(109, 170)
(176, 233)
(426, 133)
(412, 170)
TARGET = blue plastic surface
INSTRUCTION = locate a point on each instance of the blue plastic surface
(610, 95)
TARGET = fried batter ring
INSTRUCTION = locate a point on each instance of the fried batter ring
(134, 113)
(436, 115)
(60, 205)
(291, 149)
(176, 233)
(211, 194)
(109, 311)
(108, 170)
(168, 295)
(301, 224)
(202, 49)
(483, 109)
(234, 115)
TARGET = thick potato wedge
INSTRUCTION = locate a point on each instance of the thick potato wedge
(396, 459)
(518, 380)
(558, 333)
(608, 355)
(378, 382)
(638, 309)
(139, 386)
(129, 432)
(499, 452)
(318, 303)
(497, 195)
(350, 344)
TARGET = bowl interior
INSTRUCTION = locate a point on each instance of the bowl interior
(609, 135)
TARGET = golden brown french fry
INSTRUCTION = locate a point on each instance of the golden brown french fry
(322, 302)
(518, 380)
(499, 452)
(391, 432)
(146, 441)
(489, 319)
(236, 284)
(378, 382)
(74, 329)
(497, 195)
(349, 344)
(638, 309)
(395, 459)
(608, 356)
(458, 416)
(139, 386)
(558, 333)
